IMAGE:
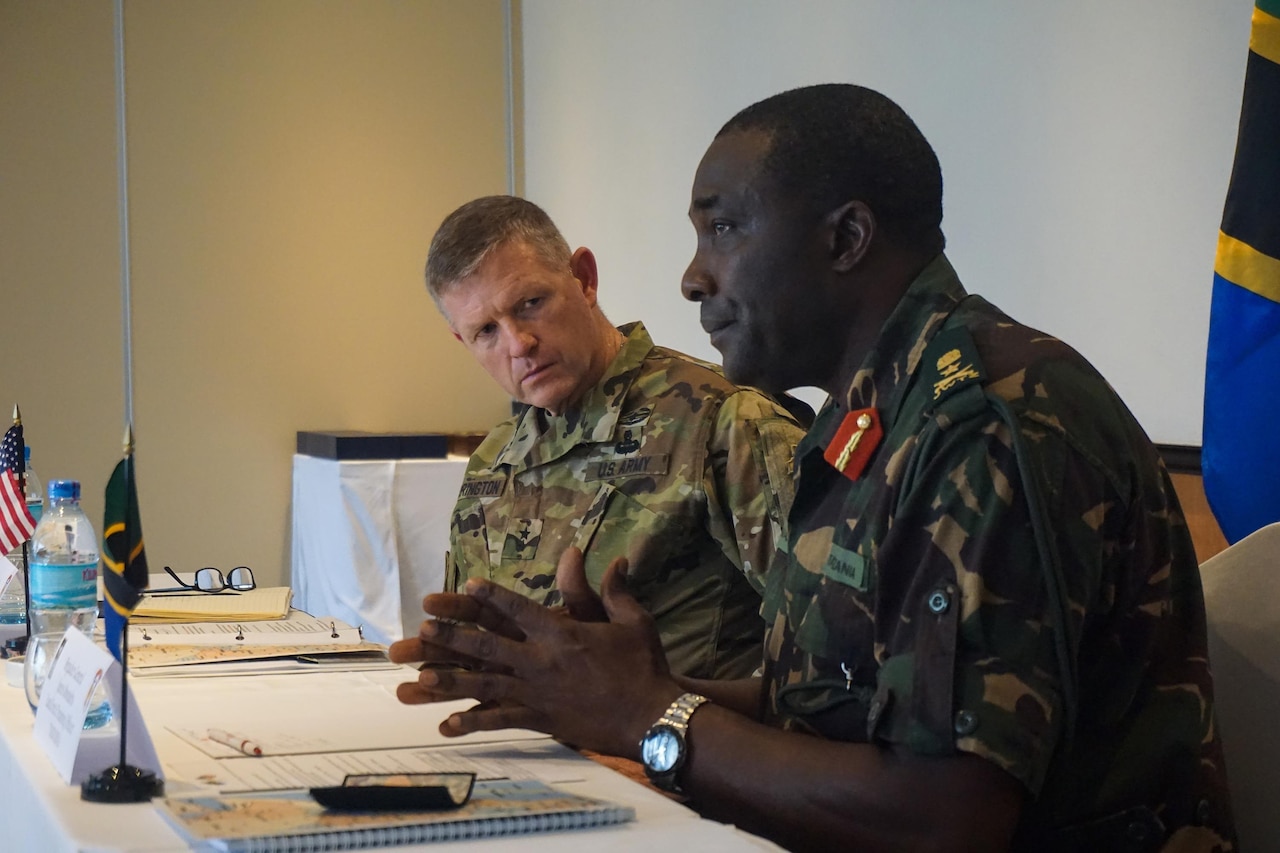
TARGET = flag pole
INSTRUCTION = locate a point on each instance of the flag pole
(124, 633)
(124, 783)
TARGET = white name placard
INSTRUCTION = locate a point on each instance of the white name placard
(78, 667)
(7, 571)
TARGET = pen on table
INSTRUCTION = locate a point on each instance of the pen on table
(243, 744)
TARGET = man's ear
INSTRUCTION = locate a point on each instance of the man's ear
(852, 226)
(583, 267)
(457, 337)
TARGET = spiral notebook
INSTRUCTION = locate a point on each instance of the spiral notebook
(293, 821)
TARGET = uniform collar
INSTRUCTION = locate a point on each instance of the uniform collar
(891, 365)
(541, 437)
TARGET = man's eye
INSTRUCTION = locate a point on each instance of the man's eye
(720, 228)
(486, 330)
(533, 302)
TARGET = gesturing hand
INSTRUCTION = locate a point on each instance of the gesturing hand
(597, 684)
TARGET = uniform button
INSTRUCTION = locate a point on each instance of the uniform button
(939, 601)
(966, 722)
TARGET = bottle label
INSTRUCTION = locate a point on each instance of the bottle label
(64, 585)
(36, 508)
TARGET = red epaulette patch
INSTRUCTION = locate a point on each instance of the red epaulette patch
(854, 442)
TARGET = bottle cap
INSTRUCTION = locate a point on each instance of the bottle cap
(62, 489)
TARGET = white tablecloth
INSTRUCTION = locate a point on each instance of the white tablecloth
(40, 813)
(369, 539)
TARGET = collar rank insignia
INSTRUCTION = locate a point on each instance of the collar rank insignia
(851, 448)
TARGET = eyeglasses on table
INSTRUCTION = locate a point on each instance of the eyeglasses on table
(209, 579)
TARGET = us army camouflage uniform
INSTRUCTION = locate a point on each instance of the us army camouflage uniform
(665, 461)
(914, 610)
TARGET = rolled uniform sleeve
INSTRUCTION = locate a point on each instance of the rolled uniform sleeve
(971, 664)
(991, 657)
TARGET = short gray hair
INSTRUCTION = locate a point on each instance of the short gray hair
(469, 234)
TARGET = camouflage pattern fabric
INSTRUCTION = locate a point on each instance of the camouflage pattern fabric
(666, 462)
(914, 610)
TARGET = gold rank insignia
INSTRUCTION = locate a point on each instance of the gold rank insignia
(953, 360)
(854, 442)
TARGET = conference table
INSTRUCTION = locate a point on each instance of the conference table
(342, 712)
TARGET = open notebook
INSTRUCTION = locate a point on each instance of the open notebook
(293, 821)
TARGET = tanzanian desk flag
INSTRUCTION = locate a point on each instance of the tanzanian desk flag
(123, 556)
(1241, 457)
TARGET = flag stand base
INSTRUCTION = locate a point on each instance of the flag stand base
(122, 784)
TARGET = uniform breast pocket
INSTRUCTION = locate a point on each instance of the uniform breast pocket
(837, 628)
(834, 633)
(617, 525)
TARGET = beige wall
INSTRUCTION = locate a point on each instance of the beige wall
(288, 162)
(59, 245)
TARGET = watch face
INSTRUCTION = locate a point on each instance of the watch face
(661, 749)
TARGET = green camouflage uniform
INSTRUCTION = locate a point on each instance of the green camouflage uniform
(666, 462)
(914, 610)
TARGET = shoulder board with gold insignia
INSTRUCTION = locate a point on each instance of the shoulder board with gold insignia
(951, 363)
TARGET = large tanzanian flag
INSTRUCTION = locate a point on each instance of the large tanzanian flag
(1241, 458)
(123, 555)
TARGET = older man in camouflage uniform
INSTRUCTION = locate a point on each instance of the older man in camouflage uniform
(988, 633)
(623, 448)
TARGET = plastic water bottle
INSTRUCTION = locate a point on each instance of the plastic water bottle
(64, 589)
(13, 599)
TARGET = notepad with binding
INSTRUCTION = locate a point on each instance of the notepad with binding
(297, 628)
(293, 821)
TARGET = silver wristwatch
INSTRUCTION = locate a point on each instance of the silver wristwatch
(664, 748)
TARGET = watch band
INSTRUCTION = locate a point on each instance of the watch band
(674, 721)
(678, 714)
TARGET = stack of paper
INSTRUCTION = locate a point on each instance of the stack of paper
(270, 602)
(296, 643)
(297, 628)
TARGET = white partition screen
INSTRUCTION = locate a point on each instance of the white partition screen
(1085, 149)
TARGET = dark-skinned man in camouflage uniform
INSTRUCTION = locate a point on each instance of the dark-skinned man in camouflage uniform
(622, 448)
(989, 631)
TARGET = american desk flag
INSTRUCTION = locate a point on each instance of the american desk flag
(16, 521)
(1241, 455)
(123, 555)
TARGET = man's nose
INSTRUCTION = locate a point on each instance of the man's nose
(697, 284)
(520, 341)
